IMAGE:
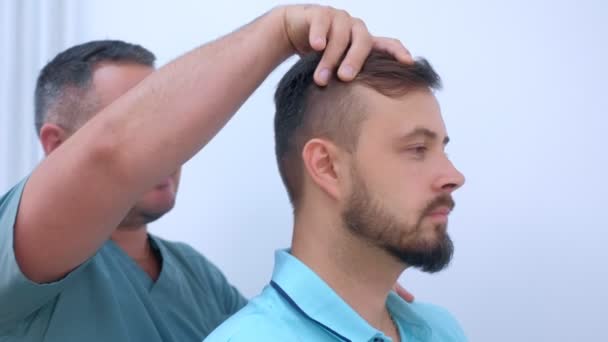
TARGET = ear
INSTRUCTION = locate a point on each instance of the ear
(325, 163)
(51, 136)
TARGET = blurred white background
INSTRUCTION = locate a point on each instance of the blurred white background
(525, 105)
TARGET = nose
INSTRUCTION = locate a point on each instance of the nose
(450, 179)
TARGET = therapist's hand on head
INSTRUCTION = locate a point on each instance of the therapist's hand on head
(344, 40)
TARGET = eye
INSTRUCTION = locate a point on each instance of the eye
(419, 151)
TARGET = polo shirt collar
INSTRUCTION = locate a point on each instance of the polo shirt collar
(311, 296)
(411, 325)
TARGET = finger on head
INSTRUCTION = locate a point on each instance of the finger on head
(395, 48)
(320, 23)
(337, 42)
(360, 47)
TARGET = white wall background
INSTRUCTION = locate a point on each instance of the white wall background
(525, 105)
(31, 32)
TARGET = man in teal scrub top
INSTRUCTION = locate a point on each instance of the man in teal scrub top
(365, 167)
(76, 261)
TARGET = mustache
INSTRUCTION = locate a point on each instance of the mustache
(441, 201)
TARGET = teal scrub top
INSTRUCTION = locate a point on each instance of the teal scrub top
(109, 297)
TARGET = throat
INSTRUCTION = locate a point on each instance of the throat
(138, 245)
(149, 259)
(151, 265)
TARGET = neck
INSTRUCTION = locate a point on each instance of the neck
(135, 243)
(360, 273)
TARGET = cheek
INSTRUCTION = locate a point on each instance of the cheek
(404, 192)
(404, 204)
(401, 184)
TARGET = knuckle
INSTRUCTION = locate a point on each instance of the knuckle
(359, 26)
(359, 23)
(327, 10)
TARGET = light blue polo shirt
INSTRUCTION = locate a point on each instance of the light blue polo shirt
(299, 306)
(109, 297)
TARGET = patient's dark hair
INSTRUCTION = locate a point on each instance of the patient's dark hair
(305, 111)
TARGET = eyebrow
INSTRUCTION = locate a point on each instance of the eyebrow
(421, 131)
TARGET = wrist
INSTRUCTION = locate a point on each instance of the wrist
(279, 37)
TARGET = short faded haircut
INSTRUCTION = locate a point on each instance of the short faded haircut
(62, 93)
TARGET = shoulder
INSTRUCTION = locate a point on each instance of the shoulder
(191, 261)
(183, 253)
(255, 322)
(9, 202)
(443, 324)
(176, 247)
(428, 310)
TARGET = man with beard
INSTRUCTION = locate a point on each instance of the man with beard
(365, 168)
(76, 260)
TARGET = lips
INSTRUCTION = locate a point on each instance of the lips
(441, 211)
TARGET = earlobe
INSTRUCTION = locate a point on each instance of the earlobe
(51, 136)
(321, 162)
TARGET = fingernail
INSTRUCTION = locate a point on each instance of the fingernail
(319, 42)
(347, 71)
(324, 75)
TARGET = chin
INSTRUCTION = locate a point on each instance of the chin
(158, 198)
(433, 231)
(155, 208)
(149, 215)
(428, 238)
(432, 240)
(159, 208)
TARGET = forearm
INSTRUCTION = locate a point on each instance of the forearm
(177, 110)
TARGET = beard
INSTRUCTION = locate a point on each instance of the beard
(371, 221)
